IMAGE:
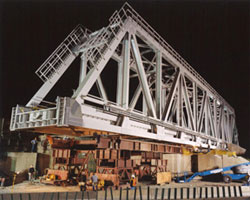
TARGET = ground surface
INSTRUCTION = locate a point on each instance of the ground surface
(27, 187)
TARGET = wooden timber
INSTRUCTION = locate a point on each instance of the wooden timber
(115, 157)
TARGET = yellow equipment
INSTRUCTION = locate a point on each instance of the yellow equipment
(101, 184)
(199, 151)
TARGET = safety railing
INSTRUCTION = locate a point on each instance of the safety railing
(60, 55)
(23, 117)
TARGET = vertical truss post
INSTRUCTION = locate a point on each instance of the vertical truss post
(119, 85)
(83, 68)
(222, 123)
(158, 83)
(206, 115)
(125, 70)
(227, 127)
(219, 131)
(179, 104)
(230, 128)
(215, 119)
(232, 123)
(163, 98)
(142, 77)
(195, 105)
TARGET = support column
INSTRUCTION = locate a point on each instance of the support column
(125, 71)
(163, 98)
(179, 104)
(83, 68)
(215, 117)
(158, 83)
(119, 85)
(195, 107)
(206, 117)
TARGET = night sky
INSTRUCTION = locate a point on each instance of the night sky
(213, 36)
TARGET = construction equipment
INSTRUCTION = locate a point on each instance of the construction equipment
(55, 177)
(227, 177)
(201, 151)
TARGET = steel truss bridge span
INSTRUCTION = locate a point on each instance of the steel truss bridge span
(170, 103)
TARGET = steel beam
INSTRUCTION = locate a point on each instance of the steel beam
(142, 77)
(201, 115)
(187, 103)
(170, 96)
(125, 71)
(95, 71)
(158, 83)
(101, 89)
(210, 117)
(119, 85)
(195, 108)
(83, 68)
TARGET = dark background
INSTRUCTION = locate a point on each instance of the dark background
(213, 36)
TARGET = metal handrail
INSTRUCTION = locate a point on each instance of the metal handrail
(68, 40)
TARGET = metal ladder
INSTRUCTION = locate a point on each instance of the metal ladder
(58, 62)
(96, 45)
(59, 57)
(13, 118)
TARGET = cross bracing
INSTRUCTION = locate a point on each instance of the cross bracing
(159, 95)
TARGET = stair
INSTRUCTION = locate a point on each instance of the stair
(98, 43)
(58, 62)
(61, 55)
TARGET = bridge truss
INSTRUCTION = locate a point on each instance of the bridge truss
(170, 103)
